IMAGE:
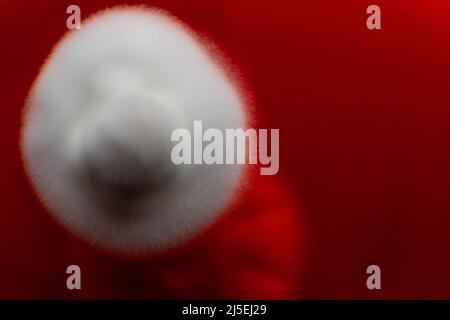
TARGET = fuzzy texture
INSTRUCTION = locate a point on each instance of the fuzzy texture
(96, 132)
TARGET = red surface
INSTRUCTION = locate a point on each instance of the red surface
(364, 123)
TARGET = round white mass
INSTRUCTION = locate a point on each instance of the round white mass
(96, 135)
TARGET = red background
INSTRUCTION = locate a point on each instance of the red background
(364, 121)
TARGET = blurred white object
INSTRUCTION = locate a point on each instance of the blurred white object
(97, 127)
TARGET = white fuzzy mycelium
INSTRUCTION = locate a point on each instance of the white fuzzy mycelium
(97, 128)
